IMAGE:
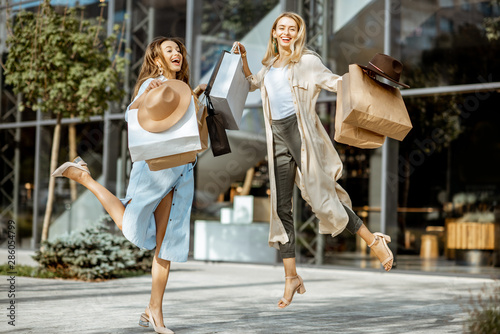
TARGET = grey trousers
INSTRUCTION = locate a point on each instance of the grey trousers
(287, 146)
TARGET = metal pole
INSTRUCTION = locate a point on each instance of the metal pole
(128, 44)
(283, 5)
(189, 26)
(151, 20)
(123, 167)
(107, 121)
(197, 58)
(390, 149)
(385, 147)
(300, 7)
(3, 28)
(17, 163)
(193, 34)
(111, 16)
(320, 246)
(325, 29)
(36, 187)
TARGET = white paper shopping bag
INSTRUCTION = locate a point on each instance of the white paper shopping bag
(228, 89)
(180, 138)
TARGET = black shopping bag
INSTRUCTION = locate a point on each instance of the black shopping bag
(217, 131)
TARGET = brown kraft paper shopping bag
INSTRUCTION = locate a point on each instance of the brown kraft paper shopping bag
(376, 106)
(350, 134)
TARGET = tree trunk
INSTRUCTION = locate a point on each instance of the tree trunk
(52, 180)
(72, 155)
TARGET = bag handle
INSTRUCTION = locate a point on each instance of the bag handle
(216, 68)
(236, 45)
(210, 107)
(214, 73)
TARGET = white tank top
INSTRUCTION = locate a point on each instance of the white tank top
(278, 90)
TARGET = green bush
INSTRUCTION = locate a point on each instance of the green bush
(93, 254)
(484, 311)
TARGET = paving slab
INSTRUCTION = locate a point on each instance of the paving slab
(204, 297)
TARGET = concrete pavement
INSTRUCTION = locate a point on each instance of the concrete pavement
(241, 298)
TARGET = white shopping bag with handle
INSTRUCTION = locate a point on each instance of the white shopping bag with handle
(228, 89)
(182, 137)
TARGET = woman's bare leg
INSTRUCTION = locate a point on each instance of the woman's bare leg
(110, 202)
(161, 268)
(290, 283)
(377, 248)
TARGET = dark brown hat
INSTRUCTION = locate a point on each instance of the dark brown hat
(387, 67)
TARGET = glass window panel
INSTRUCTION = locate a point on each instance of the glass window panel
(358, 36)
(444, 45)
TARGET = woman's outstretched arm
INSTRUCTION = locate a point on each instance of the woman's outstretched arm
(241, 50)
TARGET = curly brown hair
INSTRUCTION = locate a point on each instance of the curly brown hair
(149, 69)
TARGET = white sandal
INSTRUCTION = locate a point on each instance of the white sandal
(77, 163)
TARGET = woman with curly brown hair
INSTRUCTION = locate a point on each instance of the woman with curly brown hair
(156, 210)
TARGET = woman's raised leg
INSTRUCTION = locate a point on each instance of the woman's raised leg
(110, 202)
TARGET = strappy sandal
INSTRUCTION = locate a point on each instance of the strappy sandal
(299, 288)
(77, 163)
(384, 239)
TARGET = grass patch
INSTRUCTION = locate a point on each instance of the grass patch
(39, 272)
(484, 311)
(26, 271)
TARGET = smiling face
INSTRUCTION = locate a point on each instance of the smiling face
(173, 58)
(286, 32)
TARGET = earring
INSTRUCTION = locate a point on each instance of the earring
(160, 69)
(275, 44)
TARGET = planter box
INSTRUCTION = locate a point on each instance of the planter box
(464, 235)
(214, 241)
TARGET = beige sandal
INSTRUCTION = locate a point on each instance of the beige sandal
(299, 288)
(77, 163)
(384, 239)
(145, 320)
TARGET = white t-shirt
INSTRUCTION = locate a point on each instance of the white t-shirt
(278, 90)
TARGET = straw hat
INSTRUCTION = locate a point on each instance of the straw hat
(387, 67)
(164, 106)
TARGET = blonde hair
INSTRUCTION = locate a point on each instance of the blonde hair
(299, 45)
(149, 69)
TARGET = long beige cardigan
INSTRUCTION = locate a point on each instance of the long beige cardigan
(321, 166)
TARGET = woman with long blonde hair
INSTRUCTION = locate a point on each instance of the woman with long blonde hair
(300, 150)
(156, 210)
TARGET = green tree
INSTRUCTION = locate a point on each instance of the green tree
(492, 24)
(64, 65)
